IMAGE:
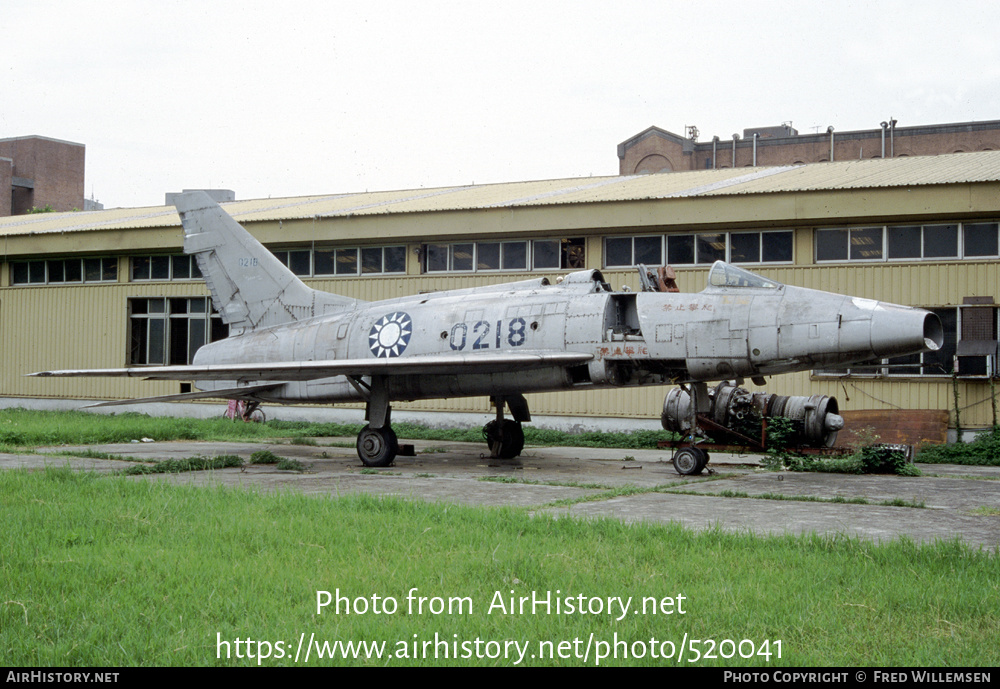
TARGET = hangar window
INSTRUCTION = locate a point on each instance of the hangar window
(545, 255)
(680, 249)
(854, 244)
(299, 262)
(980, 239)
(538, 254)
(760, 247)
(711, 248)
(865, 243)
(916, 241)
(514, 255)
(702, 249)
(325, 261)
(61, 271)
(933, 241)
(175, 267)
(170, 330)
(631, 251)
(488, 256)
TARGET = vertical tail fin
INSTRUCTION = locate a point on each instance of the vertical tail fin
(250, 287)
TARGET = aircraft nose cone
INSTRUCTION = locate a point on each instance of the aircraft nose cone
(897, 330)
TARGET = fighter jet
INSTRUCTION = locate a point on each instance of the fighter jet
(289, 343)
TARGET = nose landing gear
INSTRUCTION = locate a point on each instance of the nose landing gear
(505, 437)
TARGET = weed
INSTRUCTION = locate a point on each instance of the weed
(176, 466)
(870, 456)
(839, 499)
(264, 457)
(900, 502)
(983, 451)
(503, 479)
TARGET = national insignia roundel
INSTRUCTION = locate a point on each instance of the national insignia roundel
(390, 335)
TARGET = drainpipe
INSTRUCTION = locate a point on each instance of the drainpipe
(755, 137)
(884, 126)
(715, 145)
(736, 137)
(829, 130)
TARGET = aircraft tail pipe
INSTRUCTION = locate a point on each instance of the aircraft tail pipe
(816, 418)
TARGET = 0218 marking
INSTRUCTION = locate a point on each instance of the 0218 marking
(480, 334)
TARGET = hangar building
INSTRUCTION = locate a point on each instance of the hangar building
(113, 288)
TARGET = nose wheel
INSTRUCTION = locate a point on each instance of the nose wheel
(690, 461)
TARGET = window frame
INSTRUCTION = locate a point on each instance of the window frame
(294, 259)
(960, 232)
(171, 263)
(511, 256)
(108, 266)
(684, 243)
(158, 317)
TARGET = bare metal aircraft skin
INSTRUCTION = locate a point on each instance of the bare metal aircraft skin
(289, 343)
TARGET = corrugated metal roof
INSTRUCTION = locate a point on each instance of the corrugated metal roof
(959, 168)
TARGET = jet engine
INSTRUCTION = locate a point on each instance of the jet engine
(734, 414)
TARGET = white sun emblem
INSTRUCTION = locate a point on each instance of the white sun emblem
(390, 335)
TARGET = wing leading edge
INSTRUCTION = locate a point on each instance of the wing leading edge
(312, 370)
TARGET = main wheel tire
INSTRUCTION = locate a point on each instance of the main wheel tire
(377, 447)
(704, 458)
(504, 438)
(689, 461)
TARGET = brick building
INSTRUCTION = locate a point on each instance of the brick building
(657, 150)
(40, 172)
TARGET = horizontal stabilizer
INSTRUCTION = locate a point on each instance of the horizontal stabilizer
(245, 392)
(441, 364)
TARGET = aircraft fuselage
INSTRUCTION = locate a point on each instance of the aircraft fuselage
(741, 325)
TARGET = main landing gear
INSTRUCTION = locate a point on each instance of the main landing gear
(377, 447)
(377, 442)
(505, 437)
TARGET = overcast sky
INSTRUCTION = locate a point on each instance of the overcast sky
(317, 97)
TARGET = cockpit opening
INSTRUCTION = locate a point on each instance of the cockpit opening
(725, 275)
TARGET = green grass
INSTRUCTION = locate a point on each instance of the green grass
(21, 428)
(28, 428)
(113, 571)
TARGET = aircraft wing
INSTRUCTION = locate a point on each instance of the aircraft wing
(441, 364)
